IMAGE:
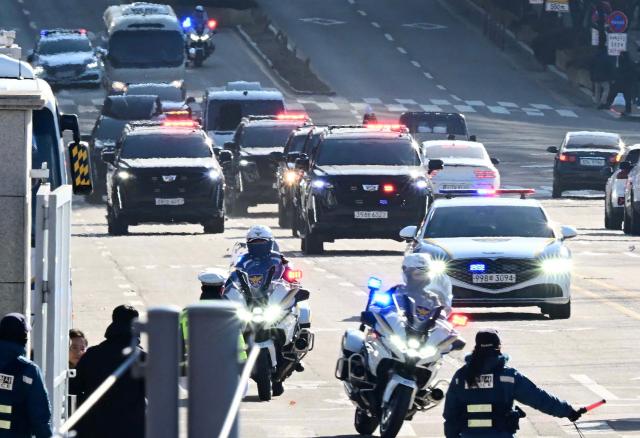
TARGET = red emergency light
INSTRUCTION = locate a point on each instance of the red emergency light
(458, 319)
(292, 275)
(388, 188)
(212, 24)
(289, 116)
(180, 123)
(387, 127)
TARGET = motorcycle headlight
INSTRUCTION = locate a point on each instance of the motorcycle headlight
(38, 70)
(204, 37)
(123, 175)
(428, 351)
(244, 315)
(421, 184)
(397, 342)
(272, 313)
(243, 163)
(118, 86)
(213, 174)
(290, 177)
(93, 64)
(556, 265)
(437, 267)
(194, 37)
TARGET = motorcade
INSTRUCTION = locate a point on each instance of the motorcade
(164, 172)
(467, 165)
(66, 57)
(224, 107)
(615, 188)
(172, 96)
(361, 182)
(257, 148)
(582, 158)
(200, 43)
(425, 126)
(510, 254)
(131, 30)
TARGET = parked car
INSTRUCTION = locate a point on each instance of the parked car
(614, 190)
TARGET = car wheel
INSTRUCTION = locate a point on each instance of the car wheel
(310, 242)
(612, 219)
(634, 225)
(558, 311)
(284, 216)
(116, 226)
(556, 190)
(214, 226)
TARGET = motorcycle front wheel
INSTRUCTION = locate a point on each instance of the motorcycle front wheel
(365, 425)
(394, 413)
(263, 375)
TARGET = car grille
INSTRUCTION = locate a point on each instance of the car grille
(66, 69)
(525, 269)
(537, 291)
(189, 182)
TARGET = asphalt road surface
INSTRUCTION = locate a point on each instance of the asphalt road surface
(390, 55)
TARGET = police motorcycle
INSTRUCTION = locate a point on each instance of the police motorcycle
(389, 366)
(277, 318)
(199, 39)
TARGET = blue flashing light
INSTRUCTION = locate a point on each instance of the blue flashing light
(374, 283)
(477, 267)
(384, 202)
(381, 299)
(44, 32)
(186, 23)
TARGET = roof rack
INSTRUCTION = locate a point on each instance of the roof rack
(486, 192)
(331, 127)
(47, 32)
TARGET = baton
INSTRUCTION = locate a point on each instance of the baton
(592, 406)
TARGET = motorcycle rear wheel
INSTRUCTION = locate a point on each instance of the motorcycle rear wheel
(394, 413)
(365, 425)
(263, 375)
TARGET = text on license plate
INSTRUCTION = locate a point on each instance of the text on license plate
(454, 186)
(494, 278)
(592, 161)
(169, 201)
(370, 214)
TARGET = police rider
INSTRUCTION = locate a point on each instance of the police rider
(369, 116)
(480, 398)
(200, 18)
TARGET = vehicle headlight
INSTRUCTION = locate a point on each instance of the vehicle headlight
(290, 177)
(243, 163)
(194, 37)
(118, 86)
(204, 37)
(38, 70)
(93, 64)
(421, 184)
(321, 184)
(272, 313)
(413, 343)
(556, 265)
(124, 175)
(428, 351)
(437, 267)
(397, 342)
(244, 315)
(213, 174)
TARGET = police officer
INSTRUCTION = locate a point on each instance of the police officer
(24, 403)
(262, 254)
(480, 398)
(200, 18)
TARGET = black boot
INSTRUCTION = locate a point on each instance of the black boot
(277, 388)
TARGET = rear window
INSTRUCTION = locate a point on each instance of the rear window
(109, 129)
(266, 136)
(172, 94)
(593, 142)
(366, 152)
(296, 142)
(454, 151)
(165, 146)
(434, 124)
(225, 115)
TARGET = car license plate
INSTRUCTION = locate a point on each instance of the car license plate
(370, 214)
(494, 278)
(65, 74)
(592, 162)
(169, 201)
(454, 186)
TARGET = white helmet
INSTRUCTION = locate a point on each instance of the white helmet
(415, 267)
(259, 232)
(212, 277)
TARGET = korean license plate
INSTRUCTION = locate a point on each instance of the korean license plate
(169, 201)
(592, 162)
(370, 214)
(494, 278)
(454, 186)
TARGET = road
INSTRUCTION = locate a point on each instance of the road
(515, 108)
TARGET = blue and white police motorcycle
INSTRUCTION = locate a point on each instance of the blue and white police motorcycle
(199, 40)
(277, 318)
(389, 366)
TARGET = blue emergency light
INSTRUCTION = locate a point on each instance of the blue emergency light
(477, 267)
(186, 23)
(381, 299)
(374, 283)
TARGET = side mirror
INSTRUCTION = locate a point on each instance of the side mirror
(607, 171)
(225, 156)
(101, 52)
(80, 168)
(367, 318)
(276, 156)
(109, 156)
(190, 100)
(69, 122)
(625, 165)
(473, 138)
(568, 232)
(292, 157)
(302, 163)
(495, 161)
(408, 233)
(230, 146)
(302, 295)
(30, 56)
(434, 165)
(553, 149)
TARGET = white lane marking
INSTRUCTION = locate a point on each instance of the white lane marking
(406, 101)
(464, 108)
(594, 387)
(136, 303)
(372, 100)
(474, 102)
(442, 87)
(105, 253)
(327, 106)
(508, 104)
(65, 102)
(124, 286)
(150, 266)
(26, 12)
(358, 292)
(427, 75)
(87, 109)
(498, 110)
(401, 50)
(351, 2)
(566, 113)
(440, 101)
(416, 64)
(346, 284)
(20, 1)
(331, 276)
(376, 25)
(129, 293)
(319, 269)
(396, 108)
(534, 113)
(631, 254)
(303, 101)
(175, 266)
(406, 430)
(97, 101)
(361, 12)
(295, 106)
(456, 98)
(33, 25)
(540, 106)
(129, 268)
(431, 108)
(388, 36)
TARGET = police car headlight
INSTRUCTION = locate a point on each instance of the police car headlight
(123, 175)
(243, 163)
(437, 267)
(118, 86)
(38, 70)
(421, 184)
(213, 174)
(556, 265)
(93, 64)
(321, 184)
(194, 37)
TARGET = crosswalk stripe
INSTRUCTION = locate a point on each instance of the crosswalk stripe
(566, 113)
(498, 110)
(327, 106)
(508, 104)
(440, 101)
(372, 100)
(396, 108)
(431, 108)
(464, 108)
(475, 103)
(66, 102)
(97, 101)
(540, 106)
(533, 112)
(296, 106)
(406, 101)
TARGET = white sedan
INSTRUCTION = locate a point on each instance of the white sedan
(467, 165)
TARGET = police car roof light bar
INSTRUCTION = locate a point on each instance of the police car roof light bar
(487, 192)
(292, 116)
(387, 127)
(331, 127)
(180, 123)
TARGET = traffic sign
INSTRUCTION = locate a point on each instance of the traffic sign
(616, 43)
(605, 9)
(618, 22)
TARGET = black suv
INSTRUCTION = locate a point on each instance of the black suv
(426, 125)
(361, 183)
(257, 146)
(164, 172)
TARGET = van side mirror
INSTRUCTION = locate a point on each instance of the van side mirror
(302, 163)
(495, 161)
(302, 295)
(190, 100)
(230, 146)
(625, 165)
(434, 165)
(568, 232)
(108, 156)
(225, 156)
(80, 168)
(553, 149)
(473, 137)
(69, 122)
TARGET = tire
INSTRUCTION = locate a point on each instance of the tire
(115, 225)
(556, 190)
(263, 375)
(198, 60)
(214, 226)
(558, 311)
(612, 220)
(284, 216)
(364, 424)
(237, 208)
(634, 223)
(394, 414)
(310, 243)
(626, 223)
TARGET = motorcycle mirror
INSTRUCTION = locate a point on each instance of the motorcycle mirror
(302, 295)
(242, 278)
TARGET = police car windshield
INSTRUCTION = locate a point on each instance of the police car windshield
(54, 45)
(593, 142)
(225, 115)
(296, 144)
(165, 146)
(266, 136)
(172, 94)
(454, 151)
(130, 48)
(109, 129)
(366, 152)
(488, 221)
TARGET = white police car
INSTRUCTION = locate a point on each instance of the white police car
(498, 251)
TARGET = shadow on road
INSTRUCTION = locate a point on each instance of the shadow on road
(251, 399)
(139, 234)
(359, 252)
(505, 316)
(625, 424)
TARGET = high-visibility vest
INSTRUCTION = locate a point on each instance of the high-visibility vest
(184, 329)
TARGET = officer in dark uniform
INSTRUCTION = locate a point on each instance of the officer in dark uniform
(480, 398)
(24, 403)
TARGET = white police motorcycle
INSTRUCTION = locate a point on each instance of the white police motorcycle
(199, 40)
(277, 319)
(389, 366)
